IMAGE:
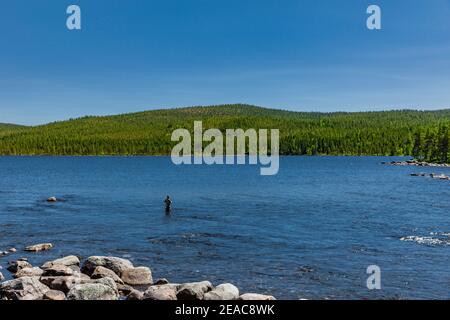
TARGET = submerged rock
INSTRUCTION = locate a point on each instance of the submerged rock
(193, 290)
(52, 199)
(25, 288)
(225, 291)
(39, 247)
(137, 276)
(118, 265)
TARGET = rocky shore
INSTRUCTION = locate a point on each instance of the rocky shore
(103, 278)
(417, 163)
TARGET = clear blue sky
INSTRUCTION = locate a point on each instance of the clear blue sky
(291, 54)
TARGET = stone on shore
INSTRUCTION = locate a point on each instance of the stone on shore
(225, 291)
(193, 290)
(161, 292)
(58, 270)
(255, 297)
(29, 272)
(102, 272)
(124, 289)
(103, 289)
(118, 265)
(65, 283)
(54, 295)
(137, 276)
(1, 277)
(161, 281)
(18, 265)
(68, 261)
(135, 295)
(25, 288)
(39, 247)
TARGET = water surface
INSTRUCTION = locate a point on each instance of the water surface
(309, 232)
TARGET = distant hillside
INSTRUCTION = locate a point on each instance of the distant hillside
(302, 133)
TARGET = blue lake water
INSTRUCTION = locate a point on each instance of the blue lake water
(309, 232)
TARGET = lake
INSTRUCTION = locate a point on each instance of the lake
(309, 232)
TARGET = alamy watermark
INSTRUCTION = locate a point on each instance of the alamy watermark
(374, 280)
(237, 147)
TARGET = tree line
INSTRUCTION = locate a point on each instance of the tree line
(422, 134)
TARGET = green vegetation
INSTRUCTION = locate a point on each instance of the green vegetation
(402, 132)
(432, 144)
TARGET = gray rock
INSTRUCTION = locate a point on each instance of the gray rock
(161, 292)
(102, 289)
(102, 272)
(57, 270)
(1, 277)
(65, 283)
(12, 250)
(256, 297)
(29, 272)
(194, 290)
(124, 289)
(161, 281)
(68, 261)
(225, 291)
(25, 288)
(137, 276)
(54, 295)
(39, 247)
(135, 295)
(118, 265)
(15, 266)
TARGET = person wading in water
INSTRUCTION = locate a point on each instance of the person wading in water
(168, 203)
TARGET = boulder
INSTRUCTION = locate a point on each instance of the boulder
(1, 277)
(137, 276)
(102, 272)
(135, 295)
(102, 289)
(29, 272)
(58, 270)
(68, 261)
(124, 289)
(161, 281)
(12, 250)
(25, 288)
(161, 292)
(52, 199)
(54, 295)
(65, 283)
(194, 290)
(18, 265)
(118, 265)
(39, 247)
(225, 291)
(256, 297)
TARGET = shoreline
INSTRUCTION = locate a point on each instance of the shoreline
(103, 278)
(416, 163)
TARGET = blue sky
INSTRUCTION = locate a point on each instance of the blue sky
(313, 55)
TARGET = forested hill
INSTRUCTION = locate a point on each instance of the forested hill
(302, 133)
